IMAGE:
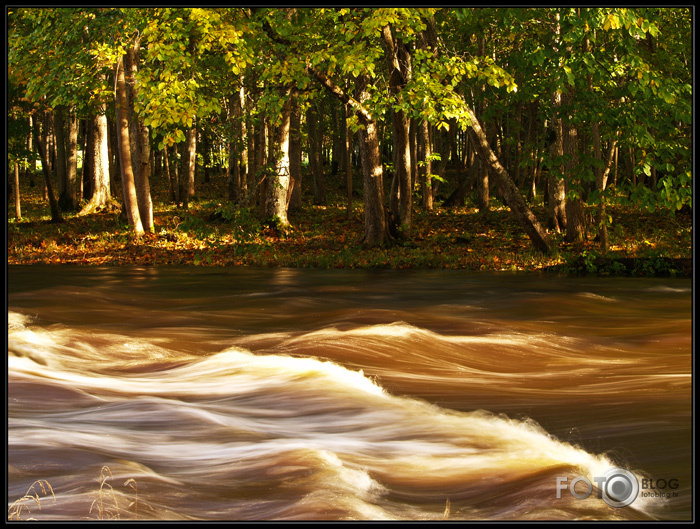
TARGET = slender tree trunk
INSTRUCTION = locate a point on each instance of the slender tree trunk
(189, 165)
(30, 148)
(556, 209)
(72, 158)
(53, 203)
(426, 167)
(483, 185)
(441, 147)
(18, 208)
(251, 139)
(127, 173)
(176, 176)
(144, 186)
(166, 165)
(511, 194)
(348, 158)
(295, 173)
(261, 156)
(316, 154)
(233, 173)
(602, 175)
(114, 170)
(206, 156)
(376, 228)
(88, 175)
(47, 137)
(59, 127)
(413, 140)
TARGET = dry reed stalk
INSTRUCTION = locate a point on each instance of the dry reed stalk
(14, 512)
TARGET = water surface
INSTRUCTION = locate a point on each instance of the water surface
(245, 394)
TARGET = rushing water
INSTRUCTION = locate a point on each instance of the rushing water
(181, 394)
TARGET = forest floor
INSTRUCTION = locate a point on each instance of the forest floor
(214, 233)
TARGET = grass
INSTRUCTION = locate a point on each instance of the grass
(213, 232)
(30, 500)
(105, 506)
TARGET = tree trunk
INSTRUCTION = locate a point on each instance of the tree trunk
(398, 61)
(426, 168)
(251, 139)
(601, 177)
(279, 179)
(143, 186)
(261, 160)
(575, 215)
(172, 184)
(348, 158)
(234, 179)
(295, 173)
(511, 194)
(316, 154)
(483, 186)
(53, 203)
(72, 159)
(114, 169)
(413, 140)
(18, 208)
(189, 165)
(556, 209)
(65, 200)
(127, 173)
(101, 194)
(176, 178)
(376, 228)
(140, 143)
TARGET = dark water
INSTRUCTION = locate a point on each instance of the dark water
(182, 394)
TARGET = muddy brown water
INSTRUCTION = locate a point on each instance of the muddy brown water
(249, 394)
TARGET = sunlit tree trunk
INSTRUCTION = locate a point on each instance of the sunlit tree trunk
(18, 208)
(511, 194)
(398, 61)
(426, 167)
(101, 192)
(188, 167)
(127, 172)
(376, 228)
(279, 179)
(139, 140)
(72, 158)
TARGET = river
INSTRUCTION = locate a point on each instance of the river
(284, 394)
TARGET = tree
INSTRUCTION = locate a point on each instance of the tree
(279, 178)
(56, 215)
(128, 183)
(398, 59)
(101, 193)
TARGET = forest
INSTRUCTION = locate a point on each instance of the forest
(470, 138)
